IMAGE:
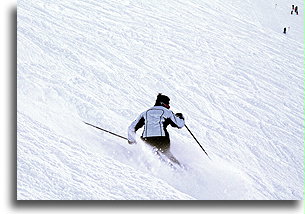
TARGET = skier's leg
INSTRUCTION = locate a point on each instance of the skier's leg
(165, 150)
(161, 147)
(171, 157)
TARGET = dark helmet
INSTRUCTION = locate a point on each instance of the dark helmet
(162, 100)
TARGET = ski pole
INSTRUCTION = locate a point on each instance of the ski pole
(105, 130)
(197, 141)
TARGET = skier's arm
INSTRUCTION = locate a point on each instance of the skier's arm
(135, 125)
(177, 119)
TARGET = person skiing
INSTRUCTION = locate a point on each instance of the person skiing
(155, 121)
(296, 10)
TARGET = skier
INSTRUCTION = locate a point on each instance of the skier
(284, 30)
(292, 9)
(296, 10)
(155, 121)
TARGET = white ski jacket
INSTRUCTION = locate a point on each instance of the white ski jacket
(155, 120)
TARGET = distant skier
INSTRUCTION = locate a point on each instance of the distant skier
(292, 9)
(284, 30)
(296, 10)
(155, 121)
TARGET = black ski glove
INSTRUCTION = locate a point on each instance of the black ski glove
(180, 115)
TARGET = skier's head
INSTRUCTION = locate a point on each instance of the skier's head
(162, 100)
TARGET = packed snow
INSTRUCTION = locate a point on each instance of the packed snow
(226, 65)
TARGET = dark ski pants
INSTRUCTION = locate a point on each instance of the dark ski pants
(161, 144)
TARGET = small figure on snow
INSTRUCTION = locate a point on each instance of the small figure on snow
(296, 10)
(292, 9)
(284, 30)
(155, 121)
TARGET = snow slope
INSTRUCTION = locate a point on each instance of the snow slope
(226, 65)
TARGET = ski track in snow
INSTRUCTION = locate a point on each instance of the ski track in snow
(226, 65)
